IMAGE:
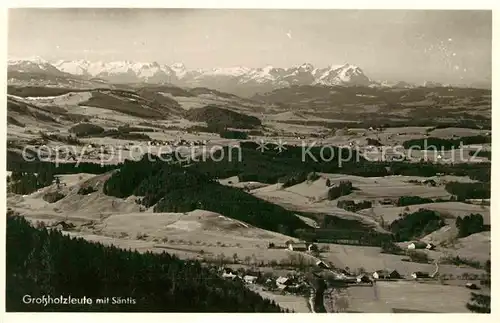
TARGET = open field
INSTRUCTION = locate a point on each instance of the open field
(371, 259)
(403, 296)
(451, 210)
(296, 303)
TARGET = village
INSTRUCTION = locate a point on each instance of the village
(318, 279)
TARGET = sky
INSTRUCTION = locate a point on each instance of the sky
(410, 45)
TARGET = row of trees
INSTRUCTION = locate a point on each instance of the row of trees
(298, 178)
(41, 262)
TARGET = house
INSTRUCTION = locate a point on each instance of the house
(420, 274)
(250, 279)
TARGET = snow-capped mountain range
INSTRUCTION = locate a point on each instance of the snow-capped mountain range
(256, 79)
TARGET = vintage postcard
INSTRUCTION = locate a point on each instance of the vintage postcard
(251, 160)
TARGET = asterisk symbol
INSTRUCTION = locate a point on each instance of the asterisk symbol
(262, 146)
(280, 145)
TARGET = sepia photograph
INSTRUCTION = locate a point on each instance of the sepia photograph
(196, 160)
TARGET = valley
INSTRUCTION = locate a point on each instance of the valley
(245, 179)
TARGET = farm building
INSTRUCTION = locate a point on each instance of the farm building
(322, 264)
(420, 274)
(386, 202)
(283, 282)
(386, 274)
(346, 271)
(421, 245)
(430, 246)
(429, 182)
(250, 279)
(363, 278)
(300, 246)
(471, 286)
(228, 273)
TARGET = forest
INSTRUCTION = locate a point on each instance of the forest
(179, 189)
(413, 200)
(233, 134)
(270, 165)
(333, 229)
(27, 177)
(220, 118)
(481, 302)
(481, 153)
(465, 191)
(470, 224)
(415, 225)
(344, 188)
(46, 262)
(431, 143)
(353, 206)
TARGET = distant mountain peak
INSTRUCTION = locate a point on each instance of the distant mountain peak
(226, 79)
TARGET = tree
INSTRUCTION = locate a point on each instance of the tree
(470, 224)
(221, 259)
(235, 258)
(312, 176)
(247, 260)
(481, 303)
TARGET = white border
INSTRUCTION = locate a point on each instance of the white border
(281, 4)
